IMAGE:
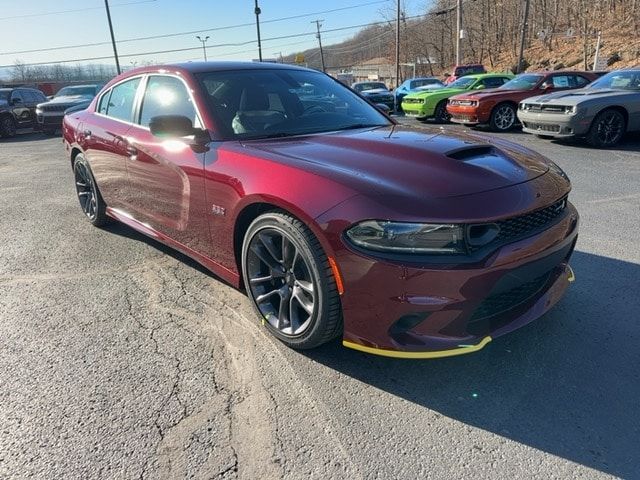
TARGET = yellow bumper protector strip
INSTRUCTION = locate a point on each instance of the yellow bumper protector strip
(434, 354)
(570, 275)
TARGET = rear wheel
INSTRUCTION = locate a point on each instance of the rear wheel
(290, 281)
(503, 117)
(91, 201)
(8, 127)
(607, 129)
(441, 115)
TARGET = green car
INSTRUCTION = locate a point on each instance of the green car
(432, 103)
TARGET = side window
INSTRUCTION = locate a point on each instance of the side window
(166, 96)
(104, 101)
(40, 97)
(120, 104)
(493, 82)
(580, 81)
(28, 96)
(16, 95)
(561, 81)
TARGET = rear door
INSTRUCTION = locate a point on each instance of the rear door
(20, 109)
(103, 140)
(166, 176)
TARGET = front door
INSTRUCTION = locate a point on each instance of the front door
(166, 176)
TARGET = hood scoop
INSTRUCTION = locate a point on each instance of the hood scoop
(472, 152)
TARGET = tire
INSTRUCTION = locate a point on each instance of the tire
(503, 117)
(8, 127)
(89, 196)
(290, 282)
(441, 114)
(607, 129)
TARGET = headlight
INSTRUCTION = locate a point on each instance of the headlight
(396, 237)
(571, 110)
(38, 111)
(558, 171)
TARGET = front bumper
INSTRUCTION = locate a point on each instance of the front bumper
(50, 119)
(554, 124)
(437, 310)
(468, 115)
(418, 110)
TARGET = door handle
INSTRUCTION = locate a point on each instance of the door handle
(131, 150)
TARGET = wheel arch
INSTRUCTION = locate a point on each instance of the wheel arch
(258, 205)
(75, 151)
(619, 108)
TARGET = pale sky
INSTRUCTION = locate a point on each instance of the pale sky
(39, 24)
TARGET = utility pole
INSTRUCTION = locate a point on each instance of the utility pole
(204, 49)
(458, 30)
(398, 43)
(597, 55)
(523, 36)
(113, 38)
(257, 11)
(319, 37)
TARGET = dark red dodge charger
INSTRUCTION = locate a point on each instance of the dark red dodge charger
(408, 243)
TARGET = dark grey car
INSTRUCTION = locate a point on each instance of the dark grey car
(601, 112)
(18, 109)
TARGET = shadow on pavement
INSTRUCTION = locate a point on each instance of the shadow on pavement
(29, 136)
(568, 384)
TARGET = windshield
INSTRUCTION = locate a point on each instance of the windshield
(464, 82)
(466, 70)
(250, 104)
(425, 82)
(76, 91)
(361, 87)
(4, 95)
(623, 80)
(522, 82)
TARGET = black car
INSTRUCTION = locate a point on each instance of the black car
(50, 114)
(18, 109)
(376, 93)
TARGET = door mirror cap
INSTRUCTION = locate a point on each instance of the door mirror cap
(546, 86)
(16, 101)
(172, 126)
(479, 87)
(383, 108)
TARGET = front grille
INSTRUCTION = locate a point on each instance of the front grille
(542, 127)
(464, 118)
(544, 107)
(464, 103)
(54, 108)
(505, 301)
(412, 100)
(525, 224)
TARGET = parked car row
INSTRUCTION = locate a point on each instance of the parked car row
(23, 107)
(559, 104)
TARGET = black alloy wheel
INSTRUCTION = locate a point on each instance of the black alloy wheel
(441, 115)
(7, 127)
(290, 282)
(88, 194)
(607, 129)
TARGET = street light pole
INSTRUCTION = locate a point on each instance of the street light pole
(319, 37)
(397, 43)
(113, 38)
(204, 49)
(257, 11)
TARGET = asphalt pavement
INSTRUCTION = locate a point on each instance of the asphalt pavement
(120, 358)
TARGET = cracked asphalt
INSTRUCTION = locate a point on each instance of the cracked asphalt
(123, 359)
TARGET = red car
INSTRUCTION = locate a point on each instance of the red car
(498, 107)
(337, 221)
(462, 70)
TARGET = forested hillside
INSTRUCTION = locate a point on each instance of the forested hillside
(560, 34)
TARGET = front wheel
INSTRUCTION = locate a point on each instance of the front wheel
(503, 118)
(8, 127)
(91, 201)
(441, 115)
(290, 282)
(607, 129)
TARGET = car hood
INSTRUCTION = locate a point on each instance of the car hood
(376, 91)
(575, 97)
(437, 91)
(69, 100)
(402, 161)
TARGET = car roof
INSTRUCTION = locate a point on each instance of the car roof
(82, 86)
(479, 76)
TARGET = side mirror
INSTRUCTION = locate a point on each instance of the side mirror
(383, 108)
(171, 126)
(16, 101)
(479, 87)
(546, 86)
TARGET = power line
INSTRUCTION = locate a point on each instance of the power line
(192, 32)
(43, 14)
(296, 35)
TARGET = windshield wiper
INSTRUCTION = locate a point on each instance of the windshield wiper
(360, 125)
